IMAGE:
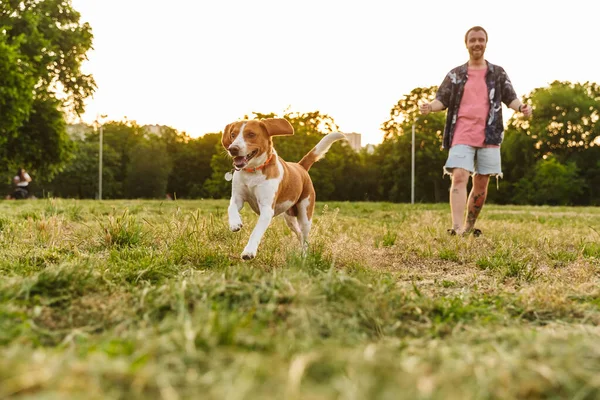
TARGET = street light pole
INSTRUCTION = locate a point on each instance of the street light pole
(100, 164)
(100, 126)
(412, 167)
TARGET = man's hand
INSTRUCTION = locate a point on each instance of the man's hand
(425, 108)
(527, 110)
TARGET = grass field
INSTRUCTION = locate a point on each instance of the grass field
(149, 299)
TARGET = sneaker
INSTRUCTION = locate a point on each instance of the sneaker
(475, 232)
(451, 232)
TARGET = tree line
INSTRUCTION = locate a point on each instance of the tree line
(138, 163)
(552, 158)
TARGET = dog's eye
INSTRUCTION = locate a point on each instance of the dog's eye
(232, 135)
(251, 134)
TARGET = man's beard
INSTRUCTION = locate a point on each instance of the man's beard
(479, 54)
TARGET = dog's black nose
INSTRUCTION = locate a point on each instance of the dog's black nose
(233, 150)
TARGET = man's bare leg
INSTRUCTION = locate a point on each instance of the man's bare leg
(476, 200)
(458, 197)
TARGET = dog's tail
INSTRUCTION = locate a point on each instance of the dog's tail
(320, 149)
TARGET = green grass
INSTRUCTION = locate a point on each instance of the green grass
(149, 299)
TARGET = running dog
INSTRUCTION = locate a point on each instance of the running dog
(269, 184)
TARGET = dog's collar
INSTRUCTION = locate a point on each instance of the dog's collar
(260, 166)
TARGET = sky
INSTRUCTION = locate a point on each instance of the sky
(197, 65)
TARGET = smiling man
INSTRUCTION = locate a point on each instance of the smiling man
(473, 93)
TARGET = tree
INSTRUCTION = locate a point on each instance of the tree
(588, 164)
(564, 129)
(148, 171)
(191, 159)
(518, 158)
(220, 163)
(41, 141)
(16, 88)
(51, 39)
(79, 178)
(121, 138)
(550, 182)
(42, 47)
(565, 119)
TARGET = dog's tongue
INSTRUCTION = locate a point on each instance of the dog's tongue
(239, 162)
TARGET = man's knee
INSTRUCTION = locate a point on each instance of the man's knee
(460, 177)
(481, 181)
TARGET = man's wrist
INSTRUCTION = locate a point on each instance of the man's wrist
(520, 107)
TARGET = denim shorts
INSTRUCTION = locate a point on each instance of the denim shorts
(476, 160)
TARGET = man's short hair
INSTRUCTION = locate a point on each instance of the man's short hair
(476, 28)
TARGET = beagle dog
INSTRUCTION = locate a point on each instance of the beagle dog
(269, 184)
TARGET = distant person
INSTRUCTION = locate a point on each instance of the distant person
(21, 182)
(473, 93)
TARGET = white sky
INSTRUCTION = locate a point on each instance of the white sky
(197, 65)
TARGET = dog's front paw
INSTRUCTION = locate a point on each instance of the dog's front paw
(248, 254)
(235, 222)
(235, 226)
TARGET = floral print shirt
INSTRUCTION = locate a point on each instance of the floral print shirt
(500, 90)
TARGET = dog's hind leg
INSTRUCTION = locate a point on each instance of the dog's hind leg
(292, 223)
(305, 211)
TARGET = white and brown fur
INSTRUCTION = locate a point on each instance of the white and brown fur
(279, 187)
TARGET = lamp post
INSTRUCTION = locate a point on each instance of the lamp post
(412, 166)
(100, 165)
(101, 132)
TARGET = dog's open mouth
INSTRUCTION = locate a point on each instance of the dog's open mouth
(240, 162)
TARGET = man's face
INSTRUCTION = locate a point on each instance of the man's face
(476, 42)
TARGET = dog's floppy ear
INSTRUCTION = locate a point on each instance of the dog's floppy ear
(278, 127)
(226, 139)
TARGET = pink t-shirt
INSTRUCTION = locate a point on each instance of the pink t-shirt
(473, 111)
